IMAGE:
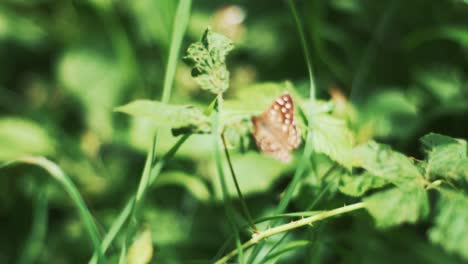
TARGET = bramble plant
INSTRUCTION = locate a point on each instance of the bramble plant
(207, 194)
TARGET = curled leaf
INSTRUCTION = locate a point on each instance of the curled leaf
(208, 61)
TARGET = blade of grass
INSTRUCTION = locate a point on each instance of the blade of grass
(180, 23)
(124, 215)
(286, 248)
(304, 163)
(300, 29)
(308, 149)
(317, 28)
(35, 242)
(138, 201)
(365, 64)
(56, 172)
(239, 193)
(221, 176)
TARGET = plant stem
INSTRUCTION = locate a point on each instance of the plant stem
(259, 236)
(308, 149)
(236, 183)
(126, 212)
(305, 48)
(180, 24)
(219, 167)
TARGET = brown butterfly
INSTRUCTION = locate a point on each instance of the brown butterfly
(275, 131)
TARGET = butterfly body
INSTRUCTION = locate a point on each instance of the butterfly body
(275, 131)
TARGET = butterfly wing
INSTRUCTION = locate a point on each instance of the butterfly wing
(267, 141)
(275, 131)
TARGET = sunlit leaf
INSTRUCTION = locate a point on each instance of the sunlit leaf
(208, 58)
(357, 185)
(168, 115)
(398, 205)
(332, 137)
(19, 137)
(381, 161)
(446, 156)
(451, 223)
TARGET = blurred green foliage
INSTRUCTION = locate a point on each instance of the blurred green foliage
(389, 71)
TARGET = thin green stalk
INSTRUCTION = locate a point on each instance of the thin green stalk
(308, 149)
(293, 245)
(55, 171)
(277, 243)
(305, 48)
(259, 236)
(145, 178)
(124, 215)
(290, 189)
(219, 167)
(35, 242)
(236, 183)
(180, 24)
(303, 164)
(316, 19)
(137, 203)
(364, 66)
(324, 190)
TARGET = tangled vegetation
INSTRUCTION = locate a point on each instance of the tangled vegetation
(126, 131)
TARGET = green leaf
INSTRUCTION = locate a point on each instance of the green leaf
(19, 137)
(381, 161)
(398, 205)
(207, 58)
(451, 223)
(446, 156)
(332, 137)
(357, 185)
(168, 115)
(191, 183)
